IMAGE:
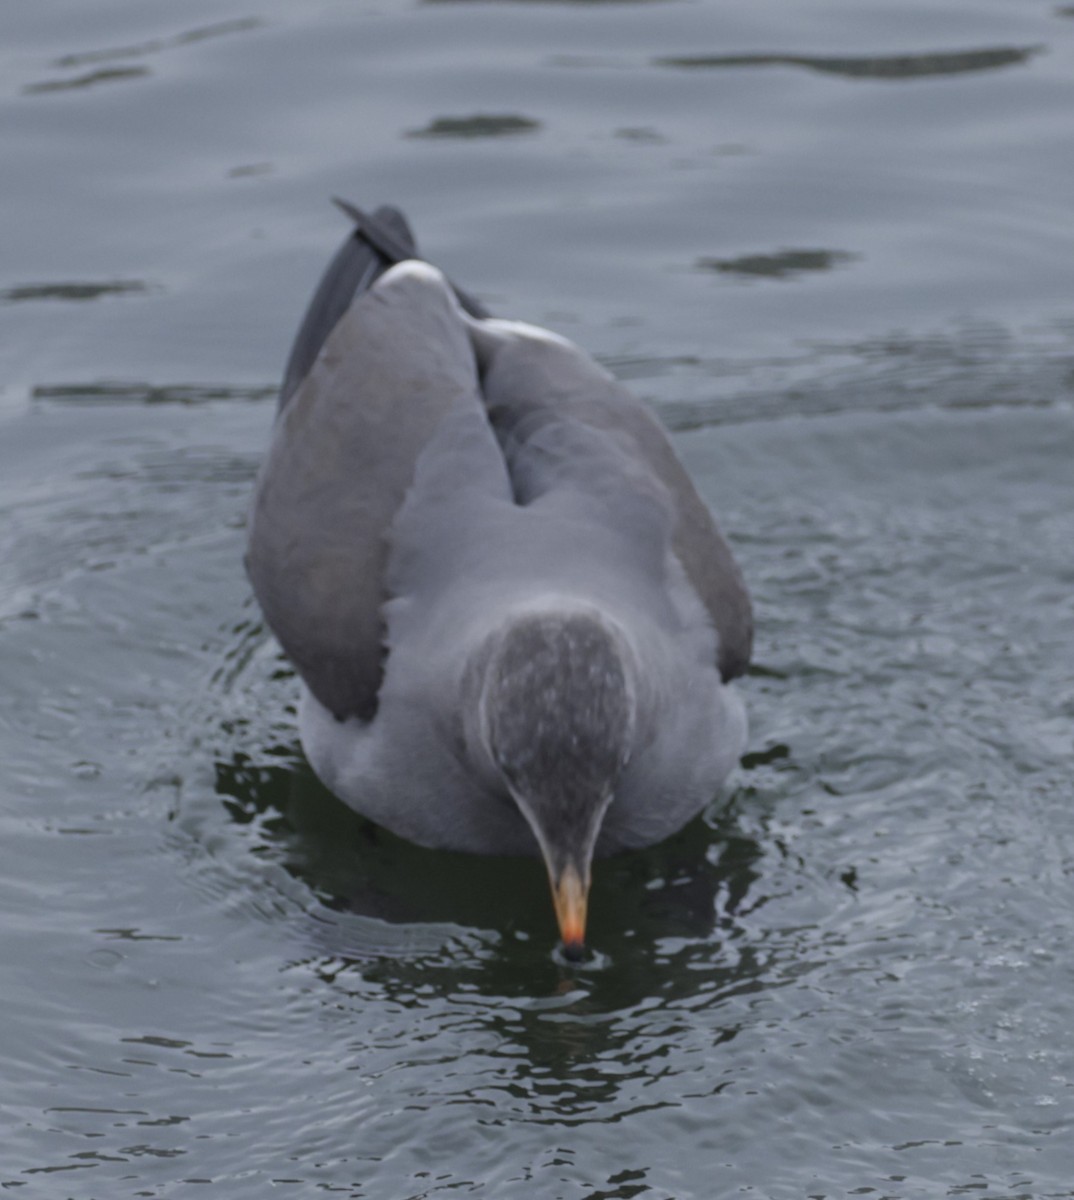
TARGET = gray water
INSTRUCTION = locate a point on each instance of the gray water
(830, 242)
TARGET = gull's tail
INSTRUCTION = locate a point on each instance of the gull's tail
(379, 240)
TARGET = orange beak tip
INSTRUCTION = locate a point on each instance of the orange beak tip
(570, 893)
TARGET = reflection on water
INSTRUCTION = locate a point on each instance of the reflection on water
(781, 265)
(71, 291)
(156, 45)
(640, 133)
(674, 929)
(669, 889)
(90, 79)
(894, 66)
(137, 50)
(148, 393)
(250, 169)
(477, 126)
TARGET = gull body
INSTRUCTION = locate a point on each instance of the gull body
(514, 620)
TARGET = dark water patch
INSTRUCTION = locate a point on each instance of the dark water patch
(248, 170)
(572, 3)
(356, 867)
(641, 135)
(72, 291)
(157, 45)
(784, 264)
(481, 125)
(885, 67)
(761, 758)
(147, 393)
(136, 935)
(90, 79)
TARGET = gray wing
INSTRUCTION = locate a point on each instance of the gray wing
(353, 270)
(342, 458)
(527, 373)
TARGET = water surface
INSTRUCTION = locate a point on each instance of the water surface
(831, 245)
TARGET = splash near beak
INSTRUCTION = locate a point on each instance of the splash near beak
(570, 893)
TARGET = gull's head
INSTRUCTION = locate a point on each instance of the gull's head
(557, 716)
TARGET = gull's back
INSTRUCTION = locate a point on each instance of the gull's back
(434, 474)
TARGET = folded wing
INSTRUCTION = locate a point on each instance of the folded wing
(530, 377)
(342, 459)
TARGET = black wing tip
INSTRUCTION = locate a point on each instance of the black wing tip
(349, 209)
(388, 232)
(380, 240)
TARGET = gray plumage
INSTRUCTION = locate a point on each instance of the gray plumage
(514, 618)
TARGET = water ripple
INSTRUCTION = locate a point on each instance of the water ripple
(881, 66)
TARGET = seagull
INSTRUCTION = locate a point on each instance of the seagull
(514, 620)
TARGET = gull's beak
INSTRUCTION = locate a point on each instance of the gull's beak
(570, 894)
(567, 850)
